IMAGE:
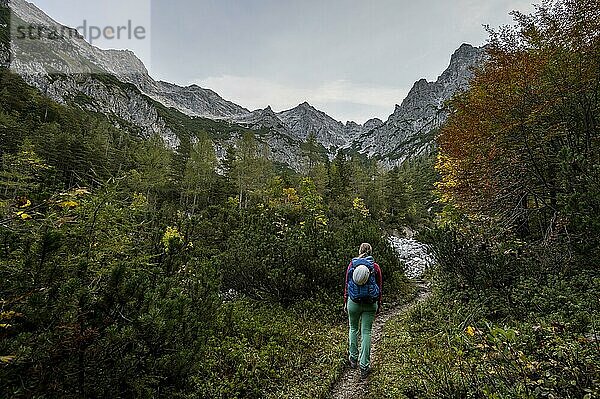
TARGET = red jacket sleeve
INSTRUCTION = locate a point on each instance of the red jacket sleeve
(379, 279)
(346, 283)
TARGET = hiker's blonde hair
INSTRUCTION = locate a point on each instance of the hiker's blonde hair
(365, 250)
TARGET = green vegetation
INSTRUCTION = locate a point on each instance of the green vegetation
(129, 269)
(515, 312)
(498, 326)
(266, 350)
(132, 270)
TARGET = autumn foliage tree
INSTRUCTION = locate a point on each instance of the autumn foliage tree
(520, 151)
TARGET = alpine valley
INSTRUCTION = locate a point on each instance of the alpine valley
(117, 84)
(160, 241)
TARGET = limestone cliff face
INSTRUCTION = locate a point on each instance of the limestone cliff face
(67, 67)
(407, 131)
(305, 120)
(196, 101)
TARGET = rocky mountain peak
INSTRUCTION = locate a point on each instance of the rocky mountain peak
(194, 100)
(261, 118)
(268, 112)
(465, 50)
(304, 119)
(353, 131)
(407, 131)
(305, 107)
(462, 63)
(372, 124)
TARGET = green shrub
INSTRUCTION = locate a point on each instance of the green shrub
(261, 347)
(293, 251)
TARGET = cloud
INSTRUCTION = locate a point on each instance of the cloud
(342, 99)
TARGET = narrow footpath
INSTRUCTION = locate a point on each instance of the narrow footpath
(350, 386)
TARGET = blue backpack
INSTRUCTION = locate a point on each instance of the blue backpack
(368, 292)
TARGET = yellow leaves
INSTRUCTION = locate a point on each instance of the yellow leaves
(23, 215)
(68, 204)
(23, 203)
(449, 169)
(81, 191)
(77, 192)
(6, 316)
(233, 202)
(70, 199)
(139, 201)
(291, 195)
(6, 359)
(172, 238)
(321, 220)
(359, 206)
(9, 315)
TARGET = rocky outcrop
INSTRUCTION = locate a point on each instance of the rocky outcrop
(261, 119)
(305, 120)
(67, 67)
(415, 255)
(407, 131)
(195, 101)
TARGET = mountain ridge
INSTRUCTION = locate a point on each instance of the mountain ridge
(388, 141)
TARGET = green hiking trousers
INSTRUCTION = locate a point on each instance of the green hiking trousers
(365, 314)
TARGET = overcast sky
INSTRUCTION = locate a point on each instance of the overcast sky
(354, 59)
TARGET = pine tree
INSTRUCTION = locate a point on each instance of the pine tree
(199, 175)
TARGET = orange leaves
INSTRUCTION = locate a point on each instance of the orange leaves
(533, 99)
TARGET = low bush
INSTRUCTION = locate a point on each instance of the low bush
(264, 350)
(288, 251)
(532, 332)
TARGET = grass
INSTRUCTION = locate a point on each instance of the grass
(268, 350)
(447, 348)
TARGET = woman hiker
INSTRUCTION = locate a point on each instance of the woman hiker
(362, 300)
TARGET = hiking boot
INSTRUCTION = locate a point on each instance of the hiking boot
(364, 373)
(353, 363)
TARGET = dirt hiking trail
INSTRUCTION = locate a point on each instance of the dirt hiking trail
(349, 385)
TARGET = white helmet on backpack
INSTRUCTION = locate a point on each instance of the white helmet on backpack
(361, 275)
